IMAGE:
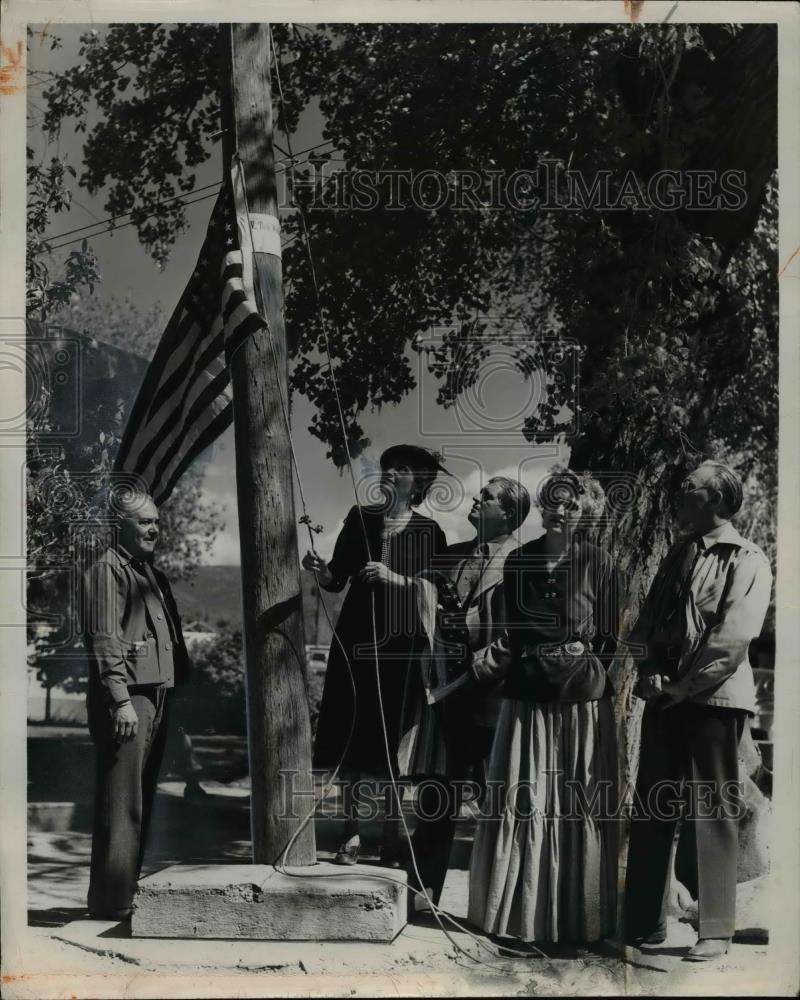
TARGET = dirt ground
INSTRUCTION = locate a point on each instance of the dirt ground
(67, 955)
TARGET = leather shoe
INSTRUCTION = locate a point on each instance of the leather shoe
(347, 854)
(110, 914)
(707, 949)
(194, 790)
(392, 855)
(652, 940)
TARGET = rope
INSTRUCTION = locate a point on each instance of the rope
(437, 912)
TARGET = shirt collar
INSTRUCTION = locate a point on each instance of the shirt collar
(125, 557)
(724, 534)
(490, 548)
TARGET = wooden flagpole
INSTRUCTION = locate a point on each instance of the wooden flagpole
(279, 731)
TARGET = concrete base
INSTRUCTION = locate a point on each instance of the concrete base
(322, 902)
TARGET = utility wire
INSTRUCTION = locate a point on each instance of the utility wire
(122, 215)
(122, 225)
(166, 201)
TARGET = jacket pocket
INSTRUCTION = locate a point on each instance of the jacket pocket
(142, 662)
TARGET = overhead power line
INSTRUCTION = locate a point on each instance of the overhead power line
(122, 215)
(164, 201)
(122, 225)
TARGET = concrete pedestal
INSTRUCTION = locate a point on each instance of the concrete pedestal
(322, 902)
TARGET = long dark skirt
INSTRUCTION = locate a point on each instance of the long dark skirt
(546, 869)
(354, 695)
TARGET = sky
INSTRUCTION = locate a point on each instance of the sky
(478, 438)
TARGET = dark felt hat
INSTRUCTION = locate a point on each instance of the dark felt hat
(417, 458)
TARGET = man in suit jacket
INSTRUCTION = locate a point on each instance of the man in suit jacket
(452, 739)
(707, 602)
(132, 633)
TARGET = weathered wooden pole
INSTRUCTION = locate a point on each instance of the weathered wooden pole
(279, 730)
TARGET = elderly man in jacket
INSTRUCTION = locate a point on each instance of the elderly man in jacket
(707, 602)
(132, 633)
(450, 740)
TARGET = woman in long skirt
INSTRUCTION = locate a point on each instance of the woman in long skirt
(544, 862)
(378, 550)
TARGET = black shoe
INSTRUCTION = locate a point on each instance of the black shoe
(393, 855)
(652, 940)
(424, 918)
(510, 947)
(118, 915)
(347, 854)
(194, 790)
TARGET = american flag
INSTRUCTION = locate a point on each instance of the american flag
(186, 399)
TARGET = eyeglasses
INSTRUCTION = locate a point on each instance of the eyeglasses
(688, 487)
(562, 499)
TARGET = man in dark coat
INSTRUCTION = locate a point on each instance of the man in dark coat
(132, 633)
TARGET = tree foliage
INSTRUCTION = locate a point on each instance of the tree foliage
(156, 88)
(86, 355)
(52, 279)
(116, 320)
(672, 314)
(216, 696)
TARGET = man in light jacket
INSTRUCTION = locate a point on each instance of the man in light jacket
(707, 602)
(448, 743)
(132, 633)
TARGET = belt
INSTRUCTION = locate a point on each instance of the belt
(575, 648)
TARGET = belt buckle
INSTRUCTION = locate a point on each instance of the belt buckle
(574, 648)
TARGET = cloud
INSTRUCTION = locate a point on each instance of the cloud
(226, 551)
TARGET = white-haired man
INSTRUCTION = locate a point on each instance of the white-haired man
(137, 654)
(707, 602)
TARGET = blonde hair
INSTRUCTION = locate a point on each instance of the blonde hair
(580, 485)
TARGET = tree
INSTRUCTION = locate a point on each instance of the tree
(115, 320)
(672, 313)
(68, 471)
(48, 194)
(216, 697)
(68, 467)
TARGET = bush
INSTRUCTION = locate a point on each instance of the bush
(215, 697)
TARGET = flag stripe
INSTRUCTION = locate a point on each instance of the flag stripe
(204, 403)
(148, 386)
(185, 400)
(207, 417)
(220, 423)
(172, 381)
(177, 420)
(245, 329)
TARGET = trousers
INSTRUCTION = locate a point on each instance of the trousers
(125, 783)
(689, 771)
(438, 805)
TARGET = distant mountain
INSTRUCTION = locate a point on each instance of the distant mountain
(215, 593)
